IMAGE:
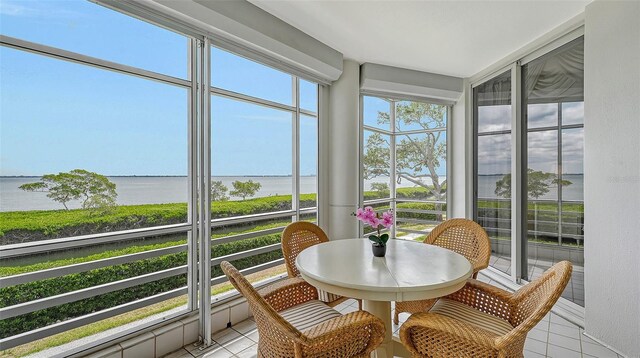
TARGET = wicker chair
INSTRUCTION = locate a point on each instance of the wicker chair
(286, 331)
(482, 320)
(463, 236)
(298, 236)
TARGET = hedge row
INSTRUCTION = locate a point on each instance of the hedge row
(39, 225)
(46, 288)
(28, 226)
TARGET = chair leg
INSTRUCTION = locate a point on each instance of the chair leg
(360, 305)
(396, 319)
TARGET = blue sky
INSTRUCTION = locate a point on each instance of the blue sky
(57, 116)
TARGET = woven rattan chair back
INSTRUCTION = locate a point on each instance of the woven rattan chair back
(534, 300)
(431, 335)
(465, 237)
(297, 237)
(271, 326)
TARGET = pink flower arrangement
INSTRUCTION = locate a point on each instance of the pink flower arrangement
(373, 219)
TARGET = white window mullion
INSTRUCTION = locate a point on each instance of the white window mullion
(295, 167)
(518, 169)
(205, 197)
(392, 165)
(192, 238)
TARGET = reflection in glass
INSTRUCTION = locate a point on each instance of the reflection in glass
(542, 155)
(493, 104)
(493, 205)
(553, 95)
(238, 74)
(572, 113)
(542, 115)
(573, 163)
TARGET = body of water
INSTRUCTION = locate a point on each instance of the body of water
(574, 191)
(139, 190)
(160, 190)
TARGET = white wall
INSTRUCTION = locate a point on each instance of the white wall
(612, 174)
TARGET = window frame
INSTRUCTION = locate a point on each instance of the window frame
(199, 241)
(519, 160)
(392, 133)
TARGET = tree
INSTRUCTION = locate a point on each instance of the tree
(245, 189)
(418, 157)
(381, 188)
(218, 191)
(96, 191)
(538, 184)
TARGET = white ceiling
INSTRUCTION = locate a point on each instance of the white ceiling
(457, 38)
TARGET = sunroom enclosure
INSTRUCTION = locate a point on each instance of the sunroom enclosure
(187, 188)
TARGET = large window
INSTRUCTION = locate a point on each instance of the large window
(94, 186)
(551, 207)
(101, 149)
(404, 154)
(263, 162)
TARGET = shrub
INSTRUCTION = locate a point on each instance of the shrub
(46, 288)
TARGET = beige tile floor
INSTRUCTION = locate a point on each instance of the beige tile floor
(553, 337)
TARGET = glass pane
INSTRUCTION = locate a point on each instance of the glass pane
(250, 156)
(572, 113)
(39, 289)
(573, 164)
(238, 74)
(140, 172)
(308, 161)
(542, 115)
(555, 206)
(375, 162)
(86, 28)
(542, 173)
(228, 248)
(419, 116)
(494, 193)
(102, 328)
(421, 165)
(376, 113)
(418, 216)
(493, 104)
(308, 96)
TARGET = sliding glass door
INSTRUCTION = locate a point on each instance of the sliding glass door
(547, 171)
(553, 109)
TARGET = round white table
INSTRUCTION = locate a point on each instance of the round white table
(410, 271)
